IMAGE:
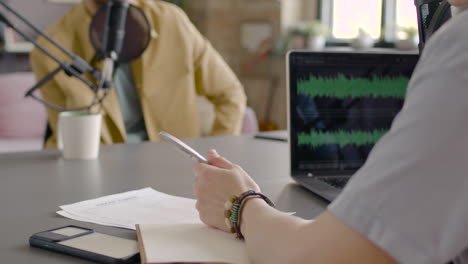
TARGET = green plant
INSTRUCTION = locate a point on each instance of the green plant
(410, 32)
(298, 29)
(316, 28)
(309, 29)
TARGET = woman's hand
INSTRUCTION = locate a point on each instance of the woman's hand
(217, 183)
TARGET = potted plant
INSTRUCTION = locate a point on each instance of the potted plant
(297, 35)
(362, 41)
(408, 38)
(317, 34)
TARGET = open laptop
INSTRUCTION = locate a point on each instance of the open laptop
(340, 104)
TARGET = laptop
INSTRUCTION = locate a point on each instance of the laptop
(339, 105)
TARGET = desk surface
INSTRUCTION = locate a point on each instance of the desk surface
(33, 185)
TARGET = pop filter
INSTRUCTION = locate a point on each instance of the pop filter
(136, 39)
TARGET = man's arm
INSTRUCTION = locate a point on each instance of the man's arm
(50, 92)
(62, 90)
(272, 236)
(218, 83)
(325, 240)
(215, 80)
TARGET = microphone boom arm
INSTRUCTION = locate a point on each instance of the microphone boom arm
(76, 68)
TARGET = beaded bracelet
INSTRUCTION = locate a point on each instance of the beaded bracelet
(233, 210)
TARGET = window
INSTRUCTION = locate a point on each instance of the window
(381, 19)
(406, 14)
(349, 16)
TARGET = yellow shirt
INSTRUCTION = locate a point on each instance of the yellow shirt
(178, 65)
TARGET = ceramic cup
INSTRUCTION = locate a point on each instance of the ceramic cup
(79, 135)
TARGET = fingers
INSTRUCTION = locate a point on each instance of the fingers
(195, 184)
(210, 188)
(203, 173)
(216, 160)
(212, 153)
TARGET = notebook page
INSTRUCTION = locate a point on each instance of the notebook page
(169, 243)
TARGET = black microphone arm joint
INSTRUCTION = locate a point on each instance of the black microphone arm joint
(80, 66)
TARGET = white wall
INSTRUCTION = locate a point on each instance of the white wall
(41, 13)
(293, 11)
(310, 9)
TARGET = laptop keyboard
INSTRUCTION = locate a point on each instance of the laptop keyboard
(335, 181)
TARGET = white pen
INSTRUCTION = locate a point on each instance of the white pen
(183, 147)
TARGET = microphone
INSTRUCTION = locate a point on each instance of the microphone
(114, 30)
(119, 32)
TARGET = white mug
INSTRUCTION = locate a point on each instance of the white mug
(78, 135)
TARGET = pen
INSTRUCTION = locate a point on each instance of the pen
(182, 147)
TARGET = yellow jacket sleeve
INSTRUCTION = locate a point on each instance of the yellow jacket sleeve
(215, 80)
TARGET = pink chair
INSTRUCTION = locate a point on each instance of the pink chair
(207, 116)
(22, 120)
(250, 124)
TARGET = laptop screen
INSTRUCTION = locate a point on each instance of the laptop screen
(340, 105)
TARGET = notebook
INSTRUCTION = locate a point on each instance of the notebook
(339, 105)
(193, 243)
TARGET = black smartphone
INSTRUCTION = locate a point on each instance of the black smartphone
(87, 244)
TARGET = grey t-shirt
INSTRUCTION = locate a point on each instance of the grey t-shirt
(411, 196)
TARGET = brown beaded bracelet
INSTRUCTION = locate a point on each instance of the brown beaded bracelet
(234, 210)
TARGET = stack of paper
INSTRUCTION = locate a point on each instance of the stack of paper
(169, 229)
(145, 206)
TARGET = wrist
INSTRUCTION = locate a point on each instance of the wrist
(252, 212)
(234, 210)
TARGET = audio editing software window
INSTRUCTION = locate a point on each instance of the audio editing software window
(341, 105)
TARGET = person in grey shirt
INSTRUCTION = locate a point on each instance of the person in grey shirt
(407, 204)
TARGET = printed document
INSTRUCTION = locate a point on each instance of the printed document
(145, 206)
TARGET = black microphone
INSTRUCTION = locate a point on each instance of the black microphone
(114, 30)
(119, 32)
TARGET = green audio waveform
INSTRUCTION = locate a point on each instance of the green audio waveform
(342, 138)
(342, 87)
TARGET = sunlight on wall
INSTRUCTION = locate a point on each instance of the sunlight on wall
(406, 14)
(350, 16)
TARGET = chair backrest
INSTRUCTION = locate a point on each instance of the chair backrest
(207, 116)
(20, 117)
(250, 122)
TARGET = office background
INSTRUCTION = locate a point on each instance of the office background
(250, 36)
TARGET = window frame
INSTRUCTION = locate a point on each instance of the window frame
(387, 37)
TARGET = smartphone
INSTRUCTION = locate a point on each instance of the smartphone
(87, 244)
(183, 147)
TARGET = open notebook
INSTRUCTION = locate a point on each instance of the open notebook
(194, 243)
